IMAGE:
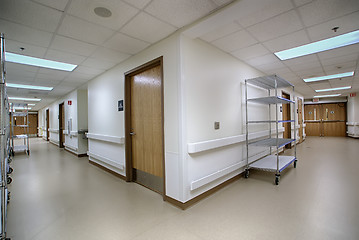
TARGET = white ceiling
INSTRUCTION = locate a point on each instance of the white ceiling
(254, 29)
(250, 30)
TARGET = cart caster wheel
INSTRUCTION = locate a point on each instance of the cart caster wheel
(9, 180)
(28, 152)
(10, 170)
(295, 164)
(9, 159)
(246, 174)
(277, 180)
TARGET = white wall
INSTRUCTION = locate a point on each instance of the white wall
(106, 124)
(76, 113)
(353, 116)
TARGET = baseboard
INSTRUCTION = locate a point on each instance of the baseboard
(204, 195)
(108, 170)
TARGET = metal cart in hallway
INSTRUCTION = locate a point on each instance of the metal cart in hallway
(20, 122)
(5, 149)
(272, 162)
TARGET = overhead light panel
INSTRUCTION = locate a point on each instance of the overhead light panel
(25, 99)
(323, 96)
(31, 104)
(13, 85)
(333, 89)
(38, 62)
(320, 46)
(328, 77)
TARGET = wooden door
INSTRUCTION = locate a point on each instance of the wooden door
(61, 124)
(33, 123)
(47, 124)
(312, 117)
(300, 119)
(286, 116)
(145, 123)
(334, 119)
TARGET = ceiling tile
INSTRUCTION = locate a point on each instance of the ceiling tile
(180, 12)
(79, 77)
(266, 59)
(49, 78)
(88, 70)
(23, 12)
(301, 2)
(251, 52)
(25, 34)
(147, 28)
(272, 66)
(57, 4)
(346, 24)
(110, 55)
(338, 52)
(72, 46)
(301, 60)
(84, 31)
(52, 73)
(341, 59)
(344, 67)
(138, 3)
(30, 50)
(100, 64)
(341, 83)
(275, 27)
(126, 44)
(288, 41)
(320, 85)
(64, 57)
(323, 10)
(235, 41)
(73, 84)
(121, 12)
(221, 32)
(10, 78)
(310, 72)
(256, 11)
(16, 67)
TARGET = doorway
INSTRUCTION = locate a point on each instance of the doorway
(286, 116)
(47, 124)
(144, 126)
(61, 124)
(300, 119)
(325, 119)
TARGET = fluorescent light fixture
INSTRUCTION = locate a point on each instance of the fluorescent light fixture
(320, 46)
(28, 87)
(21, 108)
(25, 99)
(323, 96)
(339, 75)
(31, 104)
(38, 62)
(333, 89)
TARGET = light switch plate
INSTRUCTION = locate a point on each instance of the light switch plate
(216, 125)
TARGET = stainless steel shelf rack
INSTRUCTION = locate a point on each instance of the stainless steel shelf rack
(271, 162)
(20, 110)
(5, 150)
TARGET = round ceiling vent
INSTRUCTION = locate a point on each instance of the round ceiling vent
(102, 12)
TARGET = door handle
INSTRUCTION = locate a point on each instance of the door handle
(132, 133)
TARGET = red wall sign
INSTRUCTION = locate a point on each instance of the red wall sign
(353, 95)
(69, 102)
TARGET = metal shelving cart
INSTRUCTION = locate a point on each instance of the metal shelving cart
(4, 142)
(20, 110)
(271, 162)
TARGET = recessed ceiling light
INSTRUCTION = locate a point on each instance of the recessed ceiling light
(333, 89)
(21, 108)
(13, 85)
(103, 12)
(38, 62)
(323, 96)
(320, 46)
(339, 75)
(25, 99)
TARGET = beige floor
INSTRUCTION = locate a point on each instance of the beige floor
(58, 196)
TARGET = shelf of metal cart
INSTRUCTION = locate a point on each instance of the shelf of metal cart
(270, 82)
(272, 142)
(269, 163)
(270, 100)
